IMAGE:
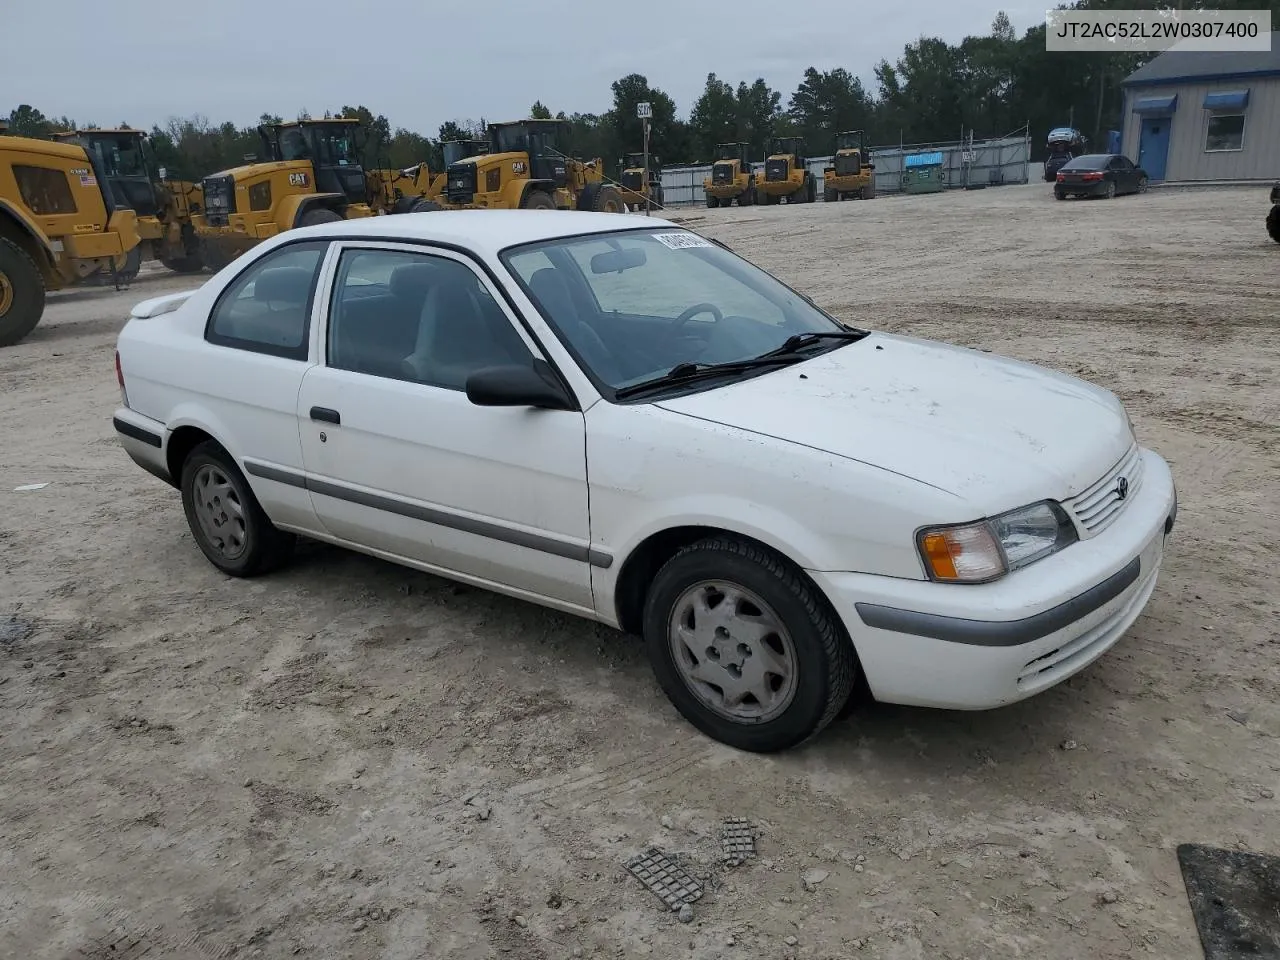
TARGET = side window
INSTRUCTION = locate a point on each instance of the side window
(267, 308)
(416, 317)
(45, 191)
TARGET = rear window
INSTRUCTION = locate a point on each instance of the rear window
(1092, 161)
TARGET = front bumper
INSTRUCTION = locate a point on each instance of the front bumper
(973, 647)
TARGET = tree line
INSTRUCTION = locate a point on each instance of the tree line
(934, 91)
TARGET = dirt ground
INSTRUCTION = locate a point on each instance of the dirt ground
(349, 759)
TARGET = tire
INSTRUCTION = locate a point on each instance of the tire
(255, 546)
(1059, 195)
(423, 205)
(712, 202)
(807, 639)
(747, 197)
(537, 200)
(21, 293)
(829, 195)
(811, 191)
(132, 264)
(602, 198)
(1143, 183)
(214, 257)
(869, 191)
(1273, 223)
(317, 216)
(187, 264)
(403, 204)
(1110, 192)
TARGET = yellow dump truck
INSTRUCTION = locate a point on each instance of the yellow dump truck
(525, 170)
(731, 177)
(58, 226)
(852, 175)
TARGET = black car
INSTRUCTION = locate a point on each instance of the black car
(1100, 175)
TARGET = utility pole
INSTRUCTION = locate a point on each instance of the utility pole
(645, 112)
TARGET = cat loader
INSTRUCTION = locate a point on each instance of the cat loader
(851, 174)
(731, 177)
(313, 175)
(59, 225)
(786, 174)
(524, 170)
(128, 170)
(637, 189)
(416, 188)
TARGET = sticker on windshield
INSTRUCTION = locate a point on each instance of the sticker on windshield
(682, 240)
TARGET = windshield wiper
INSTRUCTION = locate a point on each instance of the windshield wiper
(683, 373)
(798, 340)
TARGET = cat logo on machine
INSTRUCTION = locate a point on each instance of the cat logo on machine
(518, 166)
(299, 180)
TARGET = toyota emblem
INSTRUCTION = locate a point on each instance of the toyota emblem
(1122, 488)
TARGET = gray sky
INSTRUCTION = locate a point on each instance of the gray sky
(143, 61)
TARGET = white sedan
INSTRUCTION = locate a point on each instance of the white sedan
(626, 421)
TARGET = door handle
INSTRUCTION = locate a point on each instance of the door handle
(326, 414)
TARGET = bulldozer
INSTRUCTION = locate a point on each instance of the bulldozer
(59, 225)
(637, 189)
(403, 191)
(851, 175)
(731, 177)
(786, 174)
(524, 170)
(127, 169)
(312, 175)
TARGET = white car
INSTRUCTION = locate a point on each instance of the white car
(621, 419)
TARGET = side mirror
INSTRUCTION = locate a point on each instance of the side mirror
(519, 386)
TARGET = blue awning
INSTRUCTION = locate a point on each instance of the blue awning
(1227, 100)
(1156, 105)
(923, 160)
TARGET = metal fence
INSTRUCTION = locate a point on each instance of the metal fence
(965, 164)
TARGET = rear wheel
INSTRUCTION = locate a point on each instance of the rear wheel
(320, 215)
(21, 293)
(1110, 190)
(712, 202)
(829, 195)
(225, 517)
(1273, 223)
(603, 198)
(869, 191)
(132, 264)
(538, 200)
(1143, 183)
(1059, 194)
(747, 197)
(747, 650)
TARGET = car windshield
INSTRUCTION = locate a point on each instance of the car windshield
(1091, 161)
(634, 305)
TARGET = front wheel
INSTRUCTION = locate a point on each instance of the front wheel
(745, 647)
(225, 518)
(1273, 223)
(21, 293)
(712, 202)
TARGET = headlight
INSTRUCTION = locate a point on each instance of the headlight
(988, 549)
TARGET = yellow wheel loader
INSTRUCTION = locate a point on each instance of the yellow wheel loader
(731, 177)
(313, 175)
(58, 226)
(636, 187)
(128, 170)
(786, 174)
(851, 175)
(404, 191)
(524, 170)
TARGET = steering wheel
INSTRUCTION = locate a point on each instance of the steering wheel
(678, 323)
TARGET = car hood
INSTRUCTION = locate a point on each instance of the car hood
(999, 433)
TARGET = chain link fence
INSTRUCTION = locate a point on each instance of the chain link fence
(966, 164)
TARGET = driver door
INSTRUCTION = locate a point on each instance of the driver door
(398, 459)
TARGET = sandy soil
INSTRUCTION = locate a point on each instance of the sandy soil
(349, 759)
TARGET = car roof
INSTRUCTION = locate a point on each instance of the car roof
(484, 231)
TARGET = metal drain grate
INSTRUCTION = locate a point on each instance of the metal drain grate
(737, 841)
(665, 878)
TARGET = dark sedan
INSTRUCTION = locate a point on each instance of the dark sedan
(1100, 175)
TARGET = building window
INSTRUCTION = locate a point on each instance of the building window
(45, 191)
(1225, 132)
